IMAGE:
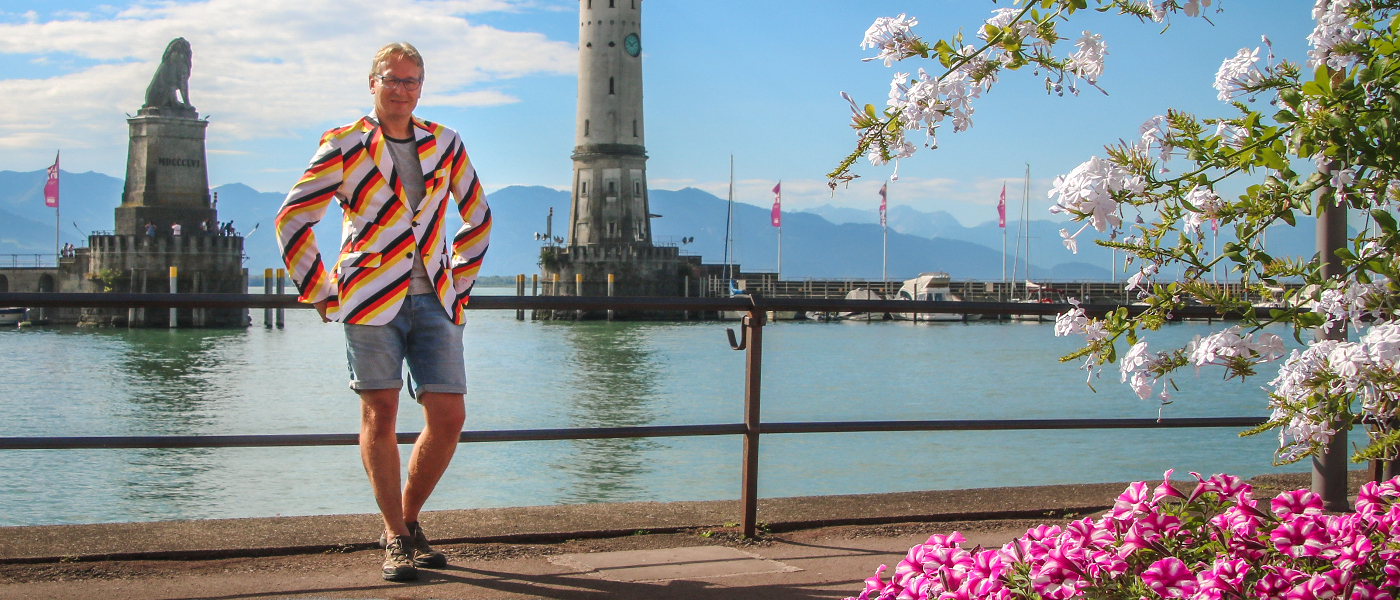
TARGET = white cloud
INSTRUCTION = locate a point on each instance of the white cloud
(261, 69)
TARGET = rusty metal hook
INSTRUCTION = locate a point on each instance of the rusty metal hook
(743, 341)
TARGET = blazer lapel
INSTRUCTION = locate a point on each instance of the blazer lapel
(379, 151)
(426, 144)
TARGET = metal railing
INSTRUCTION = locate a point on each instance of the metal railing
(28, 261)
(749, 340)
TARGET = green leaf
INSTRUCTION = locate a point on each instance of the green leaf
(1285, 116)
(870, 110)
(1385, 220)
(1288, 217)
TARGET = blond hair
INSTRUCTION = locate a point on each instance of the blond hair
(391, 49)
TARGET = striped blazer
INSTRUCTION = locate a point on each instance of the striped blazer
(380, 234)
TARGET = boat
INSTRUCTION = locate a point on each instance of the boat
(934, 286)
(1038, 294)
(863, 294)
(11, 316)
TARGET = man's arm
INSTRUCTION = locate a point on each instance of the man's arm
(469, 245)
(303, 209)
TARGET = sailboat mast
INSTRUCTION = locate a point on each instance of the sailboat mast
(728, 220)
(1026, 214)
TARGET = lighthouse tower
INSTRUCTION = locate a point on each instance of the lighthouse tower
(610, 250)
(609, 204)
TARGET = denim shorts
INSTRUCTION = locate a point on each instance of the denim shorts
(422, 334)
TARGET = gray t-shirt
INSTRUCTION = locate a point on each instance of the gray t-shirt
(410, 171)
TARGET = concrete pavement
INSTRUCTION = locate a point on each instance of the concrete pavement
(817, 547)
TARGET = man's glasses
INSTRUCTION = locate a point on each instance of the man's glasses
(409, 84)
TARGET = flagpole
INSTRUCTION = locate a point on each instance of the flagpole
(780, 232)
(885, 241)
(56, 251)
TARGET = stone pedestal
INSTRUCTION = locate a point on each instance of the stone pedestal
(638, 271)
(167, 181)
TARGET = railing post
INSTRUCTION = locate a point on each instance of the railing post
(610, 293)
(520, 291)
(174, 316)
(1329, 473)
(281, 288)
(753, 379)
(578, 292)
(267, 289)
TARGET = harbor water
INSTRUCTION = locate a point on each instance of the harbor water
(527, 375)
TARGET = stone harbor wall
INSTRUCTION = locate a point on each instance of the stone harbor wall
(204, 264)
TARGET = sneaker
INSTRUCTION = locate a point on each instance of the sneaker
(398, 559)
(423, 555)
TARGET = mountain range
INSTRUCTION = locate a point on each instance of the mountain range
(824, 242)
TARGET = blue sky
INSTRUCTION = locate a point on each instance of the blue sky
(760, 80)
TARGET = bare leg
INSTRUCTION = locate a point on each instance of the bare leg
(443, 415)
(379, 450)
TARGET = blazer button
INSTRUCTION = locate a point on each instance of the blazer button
(415, 223)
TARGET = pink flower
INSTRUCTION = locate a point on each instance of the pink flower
(952, 539)
(1089, 534)
(1226, 486)
(874, 588)
(1299, 538)
(1132, 501)
(1238, 521)
(1276, 582)
(1165, 489)
(1296, 502)
(1321, 586)
(1169, 578)
(1366, 591)
(1375, 498)
(1105, 562)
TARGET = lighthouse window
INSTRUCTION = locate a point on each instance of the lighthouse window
(636, 188)
(634, 128)
(585, 127)
(612, 188)
(611, 82)
(590, 3)
(583, 188)
(612, 229)
(610, 4)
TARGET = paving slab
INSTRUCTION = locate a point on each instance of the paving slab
(695, 562)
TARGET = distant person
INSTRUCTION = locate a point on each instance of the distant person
(400, 284)
(150, 229)
(204, 227)
(175, 230)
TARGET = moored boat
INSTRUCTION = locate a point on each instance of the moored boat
(11, 316)
(934, 286)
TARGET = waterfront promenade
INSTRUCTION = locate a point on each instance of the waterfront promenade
(814, 547)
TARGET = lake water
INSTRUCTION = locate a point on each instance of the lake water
(526, 375)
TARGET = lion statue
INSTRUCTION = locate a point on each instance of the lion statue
(173, 75)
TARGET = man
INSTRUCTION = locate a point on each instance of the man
(399, 284)
(175, 230)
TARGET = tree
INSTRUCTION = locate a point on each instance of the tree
(1323, 136)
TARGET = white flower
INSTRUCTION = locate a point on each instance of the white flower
(892, 36)
(1334, 28)
(1153, 134)
(1222, 346)
(1352, 302)
(1231, 135)
(1087, 192)
(1068, 238)
(1134, 369)
(1193, 7)
(1142, 281)
(1342, 178)
(1237, 73)
(1087, 60)
(1071, 322)
(1382, 343)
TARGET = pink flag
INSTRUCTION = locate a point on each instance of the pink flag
(51, 186)
(1001, 208)
(778, 205)
(1213, 225)
(882, 205)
